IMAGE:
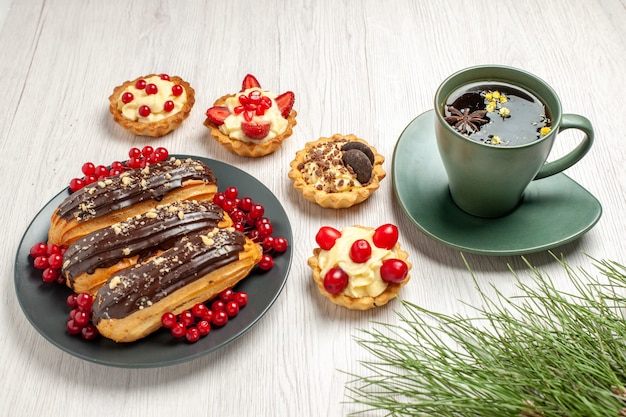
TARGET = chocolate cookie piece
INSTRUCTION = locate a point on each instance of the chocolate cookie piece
(361, 147)
(359, 163)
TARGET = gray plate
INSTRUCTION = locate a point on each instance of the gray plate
(44, 304)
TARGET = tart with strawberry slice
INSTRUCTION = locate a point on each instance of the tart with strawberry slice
(359, 267)
(253, 122)
(152, 105)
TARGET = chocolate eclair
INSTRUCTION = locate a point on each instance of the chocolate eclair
(130, 304)
(133, 192)
(93, 258)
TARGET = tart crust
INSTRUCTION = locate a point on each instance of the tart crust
(363, 303)
(153, 129)
(253, 150)
(342, 199)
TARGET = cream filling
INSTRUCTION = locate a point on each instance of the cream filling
(232, 124)
(364, 279)
(156, 101)
(330, 174)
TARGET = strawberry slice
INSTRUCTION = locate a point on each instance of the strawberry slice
(285, 103)
(249, 81)
(217, 115)
(255, 130)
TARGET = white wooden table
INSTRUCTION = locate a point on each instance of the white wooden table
(366, 68)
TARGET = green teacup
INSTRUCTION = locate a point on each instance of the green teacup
(487, 178)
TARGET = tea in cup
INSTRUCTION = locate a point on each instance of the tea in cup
(495, 127)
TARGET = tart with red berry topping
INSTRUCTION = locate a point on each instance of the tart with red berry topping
(152, 105)
(359, 267)
(253, 122)
(337, 172)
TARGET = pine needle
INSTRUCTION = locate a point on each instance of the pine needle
(545, 353)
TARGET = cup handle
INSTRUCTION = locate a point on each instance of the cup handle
(570, 121)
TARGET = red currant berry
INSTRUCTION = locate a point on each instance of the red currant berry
(140, 84)
(265, 229)
(192, 335)
(280, 244)
(165, 77)
(256, 211)
(178, 330)
(385, 236)
(204, 327)
(227, 295)
(231, 193)
(266, 263)
(81, 318)
(117, 165)
(208, 315)
(219, 199)
(73, 328)
(232, 308)
(76, 184)
(246, 203)
(199, 309)
(360, 251)
(50, 275)
(55, 261)
(255, 236)
(134, 162)
(220, 318)
(168, 106)
(151, 89)
(71, 301)
(218, 305)
(239, 227)
(101, 171)
(177, 90)
(229, 205)
(90, 179)
(161, 154)
(268, 243)
(54, 249)
(168, 320)
(335, 280)
(146, 151)
(84, 301)
(326, 237)
(88, 168)
(41, 262)
(134, 153)
(394, 271)
(89, 332)
(127, 97)
(38, 249)
(115, 172)
(237, 215)
(186, 318)
(241, 298)
(144, 111)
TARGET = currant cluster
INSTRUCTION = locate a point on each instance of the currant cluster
(137, 158)
(152, 89)
(196, 323)
(249, 217)
(48, 259)
(80, 316)
(392, 271)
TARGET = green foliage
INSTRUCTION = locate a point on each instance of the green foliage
(545, 353)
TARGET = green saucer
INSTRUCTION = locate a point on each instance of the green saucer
(554, 211)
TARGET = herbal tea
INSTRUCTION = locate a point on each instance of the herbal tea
(497, 114)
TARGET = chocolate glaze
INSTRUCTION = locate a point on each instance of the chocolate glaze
(140, 235)
(193, 257)
(131, 187)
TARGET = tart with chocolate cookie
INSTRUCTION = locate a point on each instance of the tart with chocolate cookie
(253, 122)
(152, 105)
(359, 267)
(337, 172)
